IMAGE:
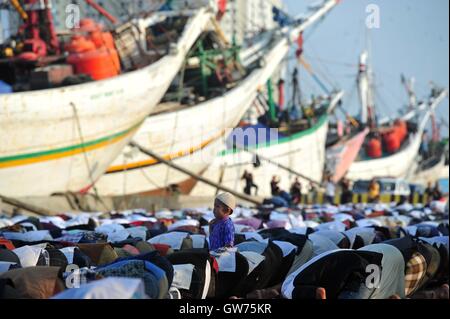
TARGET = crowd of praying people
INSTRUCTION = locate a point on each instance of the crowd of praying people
(363, 251)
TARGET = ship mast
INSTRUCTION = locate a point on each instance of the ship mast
(365, 88)
(409, 86)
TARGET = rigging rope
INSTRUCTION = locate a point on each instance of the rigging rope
(324, 73)
(311, 72)
(86, 159)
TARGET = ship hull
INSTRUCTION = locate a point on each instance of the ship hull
(64, 139)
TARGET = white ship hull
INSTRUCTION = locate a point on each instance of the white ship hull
(398, 165)
(64, 139)
(433, 174)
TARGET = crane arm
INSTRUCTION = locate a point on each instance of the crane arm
(16, 5)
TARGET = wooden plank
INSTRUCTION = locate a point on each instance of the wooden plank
(25, 206)
(195, 176)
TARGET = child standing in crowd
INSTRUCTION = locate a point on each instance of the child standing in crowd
(221, 228)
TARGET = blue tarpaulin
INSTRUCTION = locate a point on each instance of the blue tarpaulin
(281, 18)
(5, 88)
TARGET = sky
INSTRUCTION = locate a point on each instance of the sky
(412, 39)
(3, 25)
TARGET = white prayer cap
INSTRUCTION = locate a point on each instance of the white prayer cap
(227, 199)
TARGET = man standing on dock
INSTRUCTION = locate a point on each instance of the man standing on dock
(347, 194)
(249, 184)
(296, 191)
(275, 189)
(424, 146)
(330, 190)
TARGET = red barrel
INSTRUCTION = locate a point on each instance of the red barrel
(89, 25)
(94, 54)
(102, 39)
(80, 44)
(99, 64)
(392, 141)
(402, 129)
(374, 148)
